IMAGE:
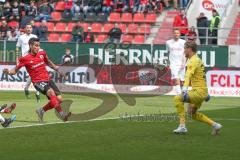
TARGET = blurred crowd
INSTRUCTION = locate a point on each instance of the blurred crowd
(15, 14)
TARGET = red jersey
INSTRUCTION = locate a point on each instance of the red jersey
(35, 66)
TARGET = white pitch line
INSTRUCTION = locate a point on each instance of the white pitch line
(100, 119)
(51, 123)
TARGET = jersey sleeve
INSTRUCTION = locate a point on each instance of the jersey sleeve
(191, 67)
(20, 63)
(167, 47)
(18, 42)
(45, 57)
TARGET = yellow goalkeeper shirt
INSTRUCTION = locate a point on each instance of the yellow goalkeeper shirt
(195, 73)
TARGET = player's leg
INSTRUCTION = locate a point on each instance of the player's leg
(179, 103)
(196, 98)
(37, 95)
(42, 87)
(5, 109)
(176, 79)
(58, 94)
(5, 122)
(26, 88)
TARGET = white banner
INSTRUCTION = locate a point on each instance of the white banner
(220, 83)
(207, 6)
(223, 82)
(77, 75)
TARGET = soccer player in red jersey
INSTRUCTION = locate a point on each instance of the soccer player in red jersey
(35, 63)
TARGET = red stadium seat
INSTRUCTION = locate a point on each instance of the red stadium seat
(37, 24)
(126, 17)
(127, 38)
(151, 18)
(123, 27)
(138, 18)
(101, 38)
(70, 26)
(60, 27)
(85, 26)
(132, 28)
(107, 27)
(66, 37)
(56, 16)
(96, 27)
(53, 37)
(114, 17)
(145, 29)
(60, 6)
(13, 24)
(139, 39)
(50, 26)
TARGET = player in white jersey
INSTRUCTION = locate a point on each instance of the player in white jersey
(175, 48)
(23, 44)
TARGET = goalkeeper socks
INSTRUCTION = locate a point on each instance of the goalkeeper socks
(2, 120)
(180, 109)
(182, 121)
(202, 118)
(178, 89)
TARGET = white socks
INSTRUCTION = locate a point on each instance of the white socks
(2, 120)
(178, 89)
(182, 125)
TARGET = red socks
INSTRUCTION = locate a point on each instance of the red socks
(55, 103)
(47, 107)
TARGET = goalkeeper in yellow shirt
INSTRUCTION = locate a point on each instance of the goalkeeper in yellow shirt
(195, 75)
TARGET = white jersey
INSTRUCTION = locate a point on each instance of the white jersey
(23, 42)
(176, 53)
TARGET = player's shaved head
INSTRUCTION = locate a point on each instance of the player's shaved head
(176, 33)
(28, 28)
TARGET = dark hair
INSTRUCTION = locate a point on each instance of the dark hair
(28, 24)
(176, 29)
(32, 40)
(214, 10)
(192, 45)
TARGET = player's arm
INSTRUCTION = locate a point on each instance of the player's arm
(191, 67)
(167, 47)
(10, 72)
(51, 64)
(18, 47)
(15, 69)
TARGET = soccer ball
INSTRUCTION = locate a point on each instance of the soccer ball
(67, 60)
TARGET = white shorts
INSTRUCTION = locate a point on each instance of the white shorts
(177, 73)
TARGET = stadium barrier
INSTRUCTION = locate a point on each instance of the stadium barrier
(127, 54)
(125, 79)
(125, 68)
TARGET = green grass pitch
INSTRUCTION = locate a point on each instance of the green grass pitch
(114, 138)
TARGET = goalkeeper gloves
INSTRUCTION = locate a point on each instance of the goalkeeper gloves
(185, 94)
